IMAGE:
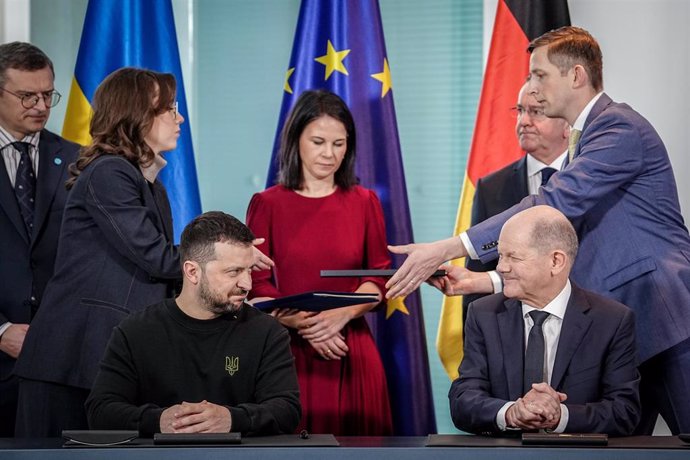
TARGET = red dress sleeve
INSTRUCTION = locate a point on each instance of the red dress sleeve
(259, 221)
(376, 251)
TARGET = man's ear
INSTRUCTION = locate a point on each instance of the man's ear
(192, 271)
(580, 76)
(559, 262)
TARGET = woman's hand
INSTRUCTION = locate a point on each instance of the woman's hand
(294, 319)
(261, 260)
(333, 348)
(326, 324)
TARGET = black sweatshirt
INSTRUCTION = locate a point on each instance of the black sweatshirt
(161, 357)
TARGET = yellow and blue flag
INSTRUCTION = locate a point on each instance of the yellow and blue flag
(339, 46)
(134, 33)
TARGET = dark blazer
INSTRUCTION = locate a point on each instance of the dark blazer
(595, 365)
(26, 264)
(494, 194)
(115, 256)
(620, 194)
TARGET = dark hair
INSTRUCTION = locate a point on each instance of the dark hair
(124, 107)
(310, 106)
(200, 235)
(22, 56)
(568, 46)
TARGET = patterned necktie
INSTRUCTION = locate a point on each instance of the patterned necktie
(25, 185)
(546, 174)
(534, 357)
(572, 143)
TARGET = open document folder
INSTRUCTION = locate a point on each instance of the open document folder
(317, 301)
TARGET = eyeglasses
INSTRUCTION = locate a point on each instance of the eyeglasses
(29, 100)
(534, 113)
(174, 110)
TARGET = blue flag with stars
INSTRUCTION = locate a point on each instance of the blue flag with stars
(339, 46)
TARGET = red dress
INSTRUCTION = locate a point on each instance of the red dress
(344, 230)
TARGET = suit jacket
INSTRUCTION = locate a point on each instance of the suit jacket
(26, 263)
(620, 194)
(494, 194)
(115, 256)
(595, 365)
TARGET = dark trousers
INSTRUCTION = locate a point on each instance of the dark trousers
(45, 409)
(8, 406)
(665, 390)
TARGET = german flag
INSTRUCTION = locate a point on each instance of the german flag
(494, 144)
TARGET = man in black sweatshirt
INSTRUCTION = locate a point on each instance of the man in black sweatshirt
(205, 361)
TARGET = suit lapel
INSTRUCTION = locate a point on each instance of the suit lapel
(520, 188)
(151, 200)
(163, 206)
(512, 331)
(575, 325)
(599, 106)
(8, 202)
(51, 166)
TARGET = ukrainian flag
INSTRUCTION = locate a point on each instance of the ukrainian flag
(134, 33)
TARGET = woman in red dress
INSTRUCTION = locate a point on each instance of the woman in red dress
(317, 218)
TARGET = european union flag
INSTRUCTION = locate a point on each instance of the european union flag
(134, 33)
(339, 46)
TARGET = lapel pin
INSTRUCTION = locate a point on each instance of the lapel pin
(57, 161)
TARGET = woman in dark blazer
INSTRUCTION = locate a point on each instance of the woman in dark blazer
(115, 254)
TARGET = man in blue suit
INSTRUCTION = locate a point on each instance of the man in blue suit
(584, 376)
(28, 240)
(545, 143)
(620, 194)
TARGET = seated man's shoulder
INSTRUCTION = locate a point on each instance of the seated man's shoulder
(605, 305)
(489, 305)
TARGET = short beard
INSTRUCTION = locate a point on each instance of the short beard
(213, 302)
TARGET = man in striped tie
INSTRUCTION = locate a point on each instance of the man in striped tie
(33, 172)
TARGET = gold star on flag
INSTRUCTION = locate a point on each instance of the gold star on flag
(385, 78)
(398, 304)
(333, 60)
(287, 82)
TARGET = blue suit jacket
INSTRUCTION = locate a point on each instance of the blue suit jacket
(27, 263)
(594, 366)
(115, 256)
(620, 194)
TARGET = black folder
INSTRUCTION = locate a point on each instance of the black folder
(385, 273)
(317, 301)
(197, 438)
(565, 439)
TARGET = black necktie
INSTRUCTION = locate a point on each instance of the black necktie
(546, 174)
(534, 357)
(25, 185)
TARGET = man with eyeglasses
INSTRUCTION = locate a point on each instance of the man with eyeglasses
(545, 143)
(33, 172)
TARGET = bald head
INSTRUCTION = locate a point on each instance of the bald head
(548, 230)
(537, 249)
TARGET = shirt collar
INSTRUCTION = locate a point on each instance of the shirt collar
(6, 139)
(580, 121)
(556, 307)
(534, 165)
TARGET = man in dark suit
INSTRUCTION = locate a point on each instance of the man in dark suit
(620, 194)
(546, 354)
(30, 212)
(545, 142)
